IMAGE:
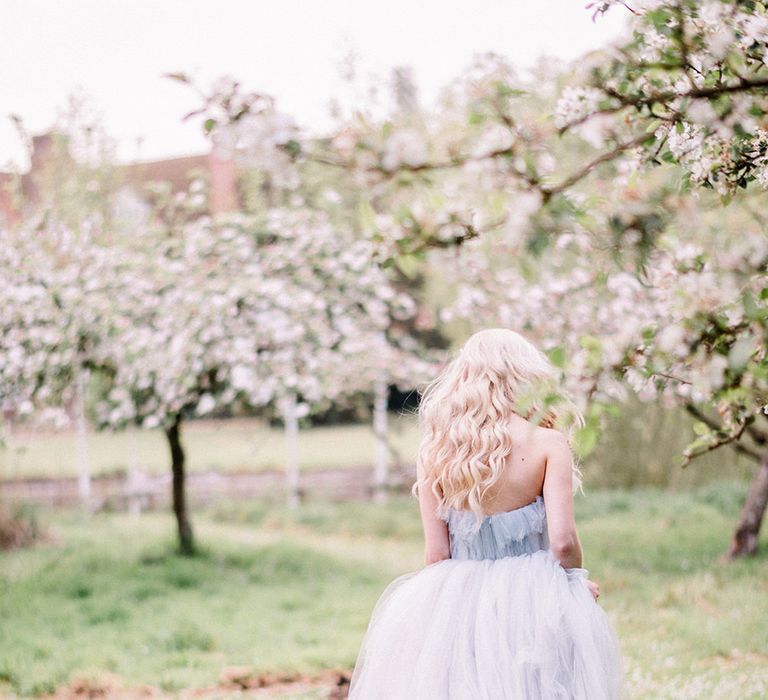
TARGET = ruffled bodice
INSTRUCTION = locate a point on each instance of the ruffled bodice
(505, 534)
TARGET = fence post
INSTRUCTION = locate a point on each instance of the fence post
(291, 423)
(382, 458)
(84, 486)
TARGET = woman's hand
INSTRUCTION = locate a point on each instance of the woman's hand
(594, 588)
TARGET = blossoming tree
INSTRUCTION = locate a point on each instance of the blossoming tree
(193, 315)
(687, 89)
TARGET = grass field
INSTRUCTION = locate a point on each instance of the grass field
(219, 445)
(277, 590)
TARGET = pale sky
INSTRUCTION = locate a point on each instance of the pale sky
(115, 51)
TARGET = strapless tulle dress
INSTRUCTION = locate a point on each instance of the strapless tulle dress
(500, 620)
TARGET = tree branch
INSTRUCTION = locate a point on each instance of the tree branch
(580, 174)
(714, 425)
(625, 101)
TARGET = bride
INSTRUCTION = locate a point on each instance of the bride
(503, 608)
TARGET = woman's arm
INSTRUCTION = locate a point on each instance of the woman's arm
(436, 539)
(558, 500)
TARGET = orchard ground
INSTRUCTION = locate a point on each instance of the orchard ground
(279, 591)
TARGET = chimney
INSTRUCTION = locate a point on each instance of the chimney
(223, 183)
(46, 148)
(42, 149)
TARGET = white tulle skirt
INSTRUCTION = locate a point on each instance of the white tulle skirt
(513, 628)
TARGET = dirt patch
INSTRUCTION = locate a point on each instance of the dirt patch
(235, 681)
(738, 659)
(105, 686)
(336, 681)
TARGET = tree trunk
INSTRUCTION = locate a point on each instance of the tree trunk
(744, 542)
(186, 539)
(382, 456)
(135, 482)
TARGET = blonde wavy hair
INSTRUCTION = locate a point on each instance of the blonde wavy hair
(465, 411)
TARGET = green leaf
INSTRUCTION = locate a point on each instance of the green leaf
(585, 441)
(476, 118)
(740, 352)
(700, 428)
(367, 215)
(292, 147)
(409, 265)
(557, 357)
(698, 444)
(751, 309)
(178, 77)
(209, 125)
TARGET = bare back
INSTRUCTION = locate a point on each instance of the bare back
(523, 477)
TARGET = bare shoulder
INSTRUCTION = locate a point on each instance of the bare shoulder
(553, 443)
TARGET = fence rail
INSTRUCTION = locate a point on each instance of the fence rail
(138, 490)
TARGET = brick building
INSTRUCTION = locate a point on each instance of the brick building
(19, 193)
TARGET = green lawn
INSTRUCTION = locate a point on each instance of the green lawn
(276, 590)
(221, 445)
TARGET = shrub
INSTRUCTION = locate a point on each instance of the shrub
(19, 526)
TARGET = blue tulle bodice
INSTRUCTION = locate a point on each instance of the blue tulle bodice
(505, 534)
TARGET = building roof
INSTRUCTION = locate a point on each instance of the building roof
(178, 172)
